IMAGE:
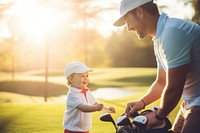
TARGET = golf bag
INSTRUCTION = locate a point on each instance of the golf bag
(127, 129)
(138, 125)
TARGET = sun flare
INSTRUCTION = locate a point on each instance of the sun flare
(36, 20)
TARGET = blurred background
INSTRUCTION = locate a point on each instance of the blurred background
(39, 37)
(36, 32)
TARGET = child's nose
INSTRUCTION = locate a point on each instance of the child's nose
(86, 78)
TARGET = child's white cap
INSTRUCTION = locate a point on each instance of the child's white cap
(75, 67)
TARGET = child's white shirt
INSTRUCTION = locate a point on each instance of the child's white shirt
(74, 119)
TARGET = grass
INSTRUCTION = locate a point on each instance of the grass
(34, 118)
(23, 109)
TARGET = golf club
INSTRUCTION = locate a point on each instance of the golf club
(124, 121)
(108, 118)
(141, 123)
(138, 124)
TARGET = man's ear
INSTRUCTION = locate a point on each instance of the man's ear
(140, 12)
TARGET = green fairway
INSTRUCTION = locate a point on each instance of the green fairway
(33, 118)
(23, 108)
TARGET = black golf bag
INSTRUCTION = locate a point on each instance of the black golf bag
(127, 129)
(138, 125)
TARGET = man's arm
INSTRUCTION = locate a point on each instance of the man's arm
(156, 88)
(152, 95)
(173, 90)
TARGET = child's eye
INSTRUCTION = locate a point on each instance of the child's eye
(83, 76)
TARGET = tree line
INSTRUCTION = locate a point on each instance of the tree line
(121, 49)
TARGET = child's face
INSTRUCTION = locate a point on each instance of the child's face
(80, 80)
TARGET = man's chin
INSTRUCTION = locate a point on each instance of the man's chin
(140, 37)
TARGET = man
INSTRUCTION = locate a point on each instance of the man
(177, 51)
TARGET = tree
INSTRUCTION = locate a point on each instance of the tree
(196, 17)
(196, 5)
(7, 32)
(126, 50)
(85, 15)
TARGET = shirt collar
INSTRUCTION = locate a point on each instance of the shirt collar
(160, 26)
(73, 89)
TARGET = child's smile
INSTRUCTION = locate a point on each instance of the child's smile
(80, 80)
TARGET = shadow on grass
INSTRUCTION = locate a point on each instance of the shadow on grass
(31, 88)
(8, 121)
(35, 88)
(10, 118)
(121, 82)
(139, 80)
(5, 124)
(93, 86)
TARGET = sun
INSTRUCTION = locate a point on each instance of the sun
(36, 20)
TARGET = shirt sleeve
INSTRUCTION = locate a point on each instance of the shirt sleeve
(176, 47)
(74, 100)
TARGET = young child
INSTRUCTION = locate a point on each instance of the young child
(80, 103)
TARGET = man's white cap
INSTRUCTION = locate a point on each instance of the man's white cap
(75, 67)
(126, 6)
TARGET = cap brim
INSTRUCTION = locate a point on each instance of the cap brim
(84, 70)
(119, 22)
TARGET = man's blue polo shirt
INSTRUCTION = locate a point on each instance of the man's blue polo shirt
(177, 43)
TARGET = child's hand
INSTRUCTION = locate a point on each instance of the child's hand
(99, 106)
(111, 110)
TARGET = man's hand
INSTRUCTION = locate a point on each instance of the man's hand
(153, 122)
(133, 107)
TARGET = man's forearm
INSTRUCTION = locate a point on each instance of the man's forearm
(154, 93)
(168, 102)
(171, 95)
(156, 88)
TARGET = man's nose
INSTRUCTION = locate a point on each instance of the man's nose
(129, 28)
